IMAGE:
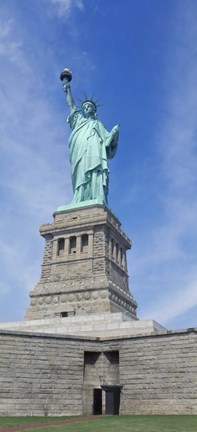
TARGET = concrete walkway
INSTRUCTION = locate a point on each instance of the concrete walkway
(49, 423)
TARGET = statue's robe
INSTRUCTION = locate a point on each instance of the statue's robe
(90, 146)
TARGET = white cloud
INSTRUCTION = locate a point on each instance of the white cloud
(5, 28)
(35, 172)
(177, 302)
(34, 161)
(34, 166)
(11, 48)
(166, 268)
(64, 7)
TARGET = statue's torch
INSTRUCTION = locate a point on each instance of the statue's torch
(66, 77)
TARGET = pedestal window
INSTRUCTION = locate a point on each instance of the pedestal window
(60, 246)
(72, 245)
(84, 243)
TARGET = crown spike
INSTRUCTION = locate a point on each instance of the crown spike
(94, 102)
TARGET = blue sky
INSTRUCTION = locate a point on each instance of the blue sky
(139, 57)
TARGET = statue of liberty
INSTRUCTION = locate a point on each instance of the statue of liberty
(90, 146)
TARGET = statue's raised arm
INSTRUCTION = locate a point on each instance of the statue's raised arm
(66, 77)
(90, 146)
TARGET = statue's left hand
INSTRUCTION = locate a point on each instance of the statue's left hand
(115, 130)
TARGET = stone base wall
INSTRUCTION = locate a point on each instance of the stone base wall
(44, 374)
(40, 376)
(159, 374)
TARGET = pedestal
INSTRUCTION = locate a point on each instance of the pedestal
(84, 268)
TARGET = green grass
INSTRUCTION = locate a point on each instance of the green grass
(16, 421)
(138, 423)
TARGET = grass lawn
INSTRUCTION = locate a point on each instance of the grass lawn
(15, 421)
(138, 423)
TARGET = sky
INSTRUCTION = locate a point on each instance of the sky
(139, 58)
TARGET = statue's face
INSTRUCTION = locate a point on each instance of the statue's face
(88, 110)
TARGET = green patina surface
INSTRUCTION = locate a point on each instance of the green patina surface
(75, 205)
(90, 146)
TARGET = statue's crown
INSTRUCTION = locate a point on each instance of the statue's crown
(90, 101)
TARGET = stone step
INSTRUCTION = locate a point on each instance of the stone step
(99, 325)
(73, 321)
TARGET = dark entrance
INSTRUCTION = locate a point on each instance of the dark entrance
(97, 402)
(112, 399)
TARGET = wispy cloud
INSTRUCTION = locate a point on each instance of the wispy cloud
(177, 302)
(64, 8)
(9, 46)
(35, 171)
(34, 163)
(34, 157)
(168, 263)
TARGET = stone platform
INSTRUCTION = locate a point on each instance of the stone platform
(93, 325)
